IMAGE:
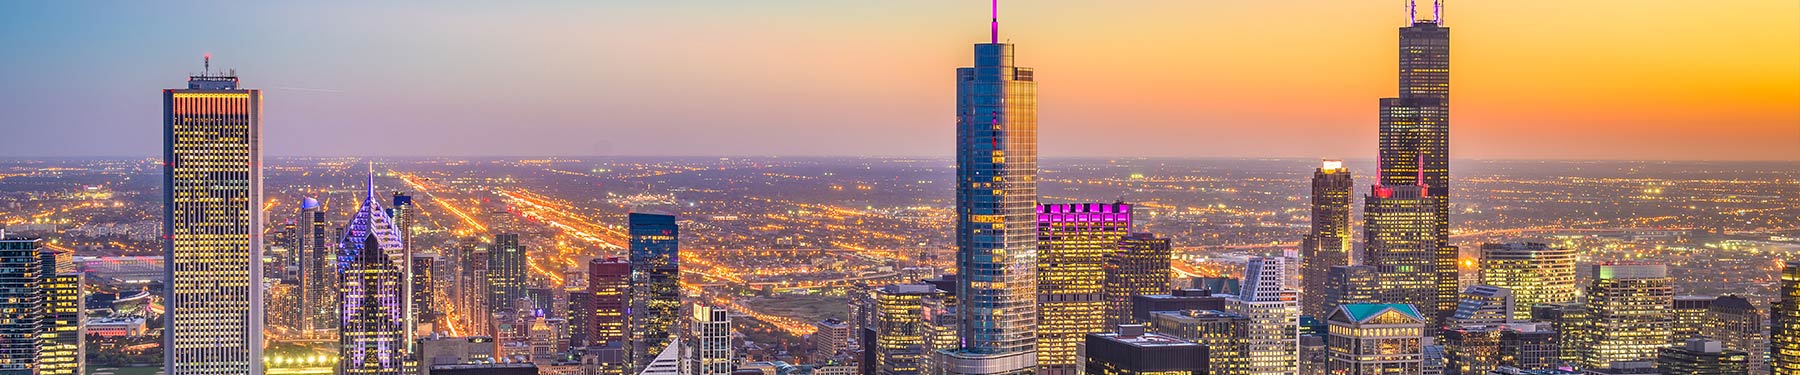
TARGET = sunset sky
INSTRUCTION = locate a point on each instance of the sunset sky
(1531, 79)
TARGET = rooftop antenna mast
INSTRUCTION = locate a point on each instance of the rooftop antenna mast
(994, 24)
(1412, 12)
(1437, 12)
(206, 60)
(371, 180)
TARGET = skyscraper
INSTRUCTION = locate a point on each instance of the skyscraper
(708, 342)
(1536, 273)
(1272, 343)
(318, 271)
(65, 341)
(1415, 139)
(1784, 327)
(212, 200)
(1139, 267)
(655, 284)
(1373, 339)
(506, 274)
(609, 287)
(1629, 313)
(996, 225)
(1701, 357)
(1690, 316)
(1352, 284)
(1484, 305)
(1074, 241)
(900, 329)
(372, 338)
(424, 290)
(1221, 332)
(1327, 243)
(21, 270)
(1399, 243)
(1739, 325)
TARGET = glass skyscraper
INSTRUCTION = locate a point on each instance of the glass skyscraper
(505, 274)
(1327, 243)
(373, 336)
(1630, 313)
(65, 347)
(655, 284)
(318, 271)
(1535, 273)
(23, 303)
(1415, 140)
(1074, 241)
(1139, 267)
(996, 224)
(1399, 242)
(1784, 322)
(212, 196)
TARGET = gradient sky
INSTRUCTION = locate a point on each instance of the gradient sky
(1532, 79)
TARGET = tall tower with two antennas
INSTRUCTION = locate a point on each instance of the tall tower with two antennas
(1415, 139)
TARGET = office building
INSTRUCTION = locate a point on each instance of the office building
(1629, 315)
(1738, 325)
(831, 337)
(318, 271)
(655, 284)
(609, 291)
(899, 346)
(213, 223)
(1366, 339)
(1529, 346)
(1177, 300)
(443, 351)
(506, 274)
(1223, 334)
(1327, 243)
(1133, 351)
(708, 342)
(1399, 242)
(1701, 357)
(1272, 344)
(373, 336)
(996, 224)
(22, 298)
(64, 350)
(1570, 321)
(1139, 267)
(1415, 141)
(1784, 323)
(1346, 285)
(1690, 316)
(1534, 272)
(424, 288)
(1471, 349)
(1073, 243)
(1483, 305)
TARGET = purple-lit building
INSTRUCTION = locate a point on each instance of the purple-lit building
(372, 263)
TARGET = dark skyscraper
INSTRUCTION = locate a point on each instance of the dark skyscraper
(212, 200)
(1327, 244)
(505, 274)
(996, 223)
(1415, 139)
(1139, 267)
(609, 288)
(655, 284)
(318, 271)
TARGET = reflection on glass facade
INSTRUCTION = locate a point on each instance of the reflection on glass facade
(212, 191)
(655, 284)
(1327, 242)
(372, 337)
(1073, 243)
(996, 199)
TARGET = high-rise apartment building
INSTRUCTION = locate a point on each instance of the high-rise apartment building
(65, 341)
(213, 226)
(655, 284)
(506, 274)
(1629, 314)
(899, 329)
(1133, 351)
(831, 338)
(708, 342)
(1073, 243)
(318, 271)
(1738, 325)
(1272, 343)
(1327, 243)
(373, 337)
(1415, 140)
(996, 224)
(1784, 323)
(1535, 272)
(1371, 339)
(1400, 243)
(1139, 267)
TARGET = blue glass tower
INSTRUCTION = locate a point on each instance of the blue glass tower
(655, 284)
(996, 207)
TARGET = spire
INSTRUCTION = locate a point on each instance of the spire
(1412, 12)
(994, 24)
(206, 61)
(1420, 178)
(371, 196)
(1437, 12)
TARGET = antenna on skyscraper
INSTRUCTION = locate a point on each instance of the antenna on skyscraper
(994, 25)
(1437, 11)
(206, 60)
(371, 180)
(1412, 12)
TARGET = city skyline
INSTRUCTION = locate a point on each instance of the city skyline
(1722, 89)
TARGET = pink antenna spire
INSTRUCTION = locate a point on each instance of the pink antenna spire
(1378, 169)
(994, 25)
